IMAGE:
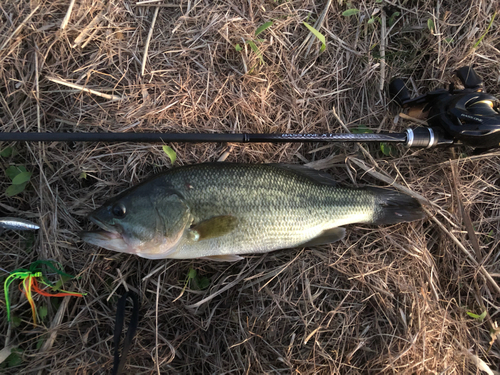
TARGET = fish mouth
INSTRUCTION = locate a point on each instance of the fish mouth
(109, 237)
(106, 227)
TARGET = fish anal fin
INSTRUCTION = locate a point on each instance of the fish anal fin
(326, 237)
(224, 258)
(214, 227)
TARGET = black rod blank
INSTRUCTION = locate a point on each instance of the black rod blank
(199, 137)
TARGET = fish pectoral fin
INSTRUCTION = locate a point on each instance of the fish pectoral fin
(214, 227)
(326, 237)
(224, 258)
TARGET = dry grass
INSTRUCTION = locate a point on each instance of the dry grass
(384, 300)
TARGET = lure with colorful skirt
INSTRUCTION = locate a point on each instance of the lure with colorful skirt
(30, 282)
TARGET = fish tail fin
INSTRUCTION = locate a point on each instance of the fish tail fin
(393, 207)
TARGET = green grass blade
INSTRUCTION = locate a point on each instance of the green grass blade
(477, 317)
(254, 48)
(361, 129)
(170, 153)
(263, 27)
(430, 25)
(487, 29)
(318, 35)
(350, 12)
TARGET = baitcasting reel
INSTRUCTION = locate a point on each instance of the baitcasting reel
(469, 116)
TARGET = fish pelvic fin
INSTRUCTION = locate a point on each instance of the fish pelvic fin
(214, 227)
(326, 237)
(393, 207)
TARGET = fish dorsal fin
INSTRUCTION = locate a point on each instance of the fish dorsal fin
(224, 258)
(214, 227)
(315, 175)
(326, 237)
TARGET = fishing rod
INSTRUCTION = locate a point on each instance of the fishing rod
(468, 116)
(420, 137)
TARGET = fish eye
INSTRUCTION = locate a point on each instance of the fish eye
(119, 210)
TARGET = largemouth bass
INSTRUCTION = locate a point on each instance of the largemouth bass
(222, 210)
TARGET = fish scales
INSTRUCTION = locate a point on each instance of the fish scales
(224, 209)
(275, 208)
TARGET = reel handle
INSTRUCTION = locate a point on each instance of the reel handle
(469, 78)
(398, 91)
